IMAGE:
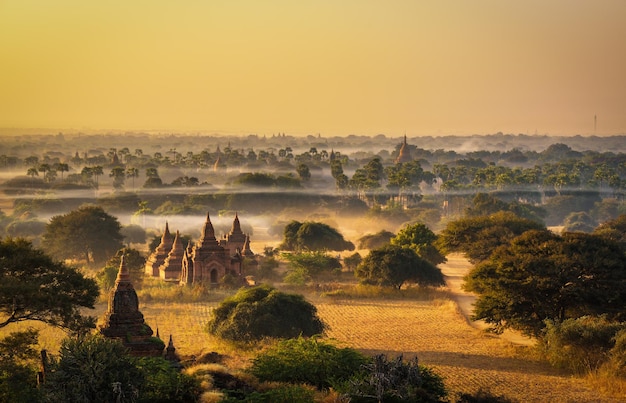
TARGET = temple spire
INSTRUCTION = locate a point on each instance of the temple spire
(123, 275)
(207, 239)
(236, 229)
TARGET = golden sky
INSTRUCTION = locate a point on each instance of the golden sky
(335, 67)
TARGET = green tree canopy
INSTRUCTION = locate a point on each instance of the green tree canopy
(579, 222)
(34, 287)
(312, 264)
(310, 361)
(614, 229)
(87, 233)
(87, 369)
(543, 276)
(421, 239)
(314, 236)
(394, 265)
(484, 204)
(134, 261)
(478, 237)
(373, 241)
(18, 369)
(263, 311)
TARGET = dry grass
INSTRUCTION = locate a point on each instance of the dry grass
(432, 329)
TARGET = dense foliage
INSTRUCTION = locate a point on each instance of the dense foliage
(96, 369)
(263, 311)
(394, 265)
(313, 236)
(35, 287)
(614, 229)
(135, 263)
(87, 233)
(421, 239)
(478, 237)
(373, 241)
(305, 266)
(395, 380)
(307, 361)
(543, 276)
(585, 344)
(18, 371)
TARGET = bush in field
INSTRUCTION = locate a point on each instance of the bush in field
(617, 359)
(310, 265)
(263, 311)
(584, 344)
(165, 384)
(308, 361)
(395, 380)
(88, 367)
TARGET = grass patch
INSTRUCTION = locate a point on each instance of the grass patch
(365, 291)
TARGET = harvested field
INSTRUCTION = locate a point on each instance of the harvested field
(436, 331)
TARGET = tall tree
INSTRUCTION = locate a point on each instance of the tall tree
(303, 172)
(132, 173)
(542, 276)
(118, 175)
(478, 237)
(87, 233)
(421, 239)
(35, 287)
(314, 236)
(61, 167)
(394, 265)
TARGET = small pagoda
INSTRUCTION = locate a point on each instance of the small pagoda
(156, 259)
(123, 320)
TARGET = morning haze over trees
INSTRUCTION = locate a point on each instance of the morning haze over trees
(331, 221)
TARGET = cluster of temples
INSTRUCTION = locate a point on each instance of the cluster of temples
(208, 260)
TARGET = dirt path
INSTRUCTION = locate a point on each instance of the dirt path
(455, 269)
(440, 335)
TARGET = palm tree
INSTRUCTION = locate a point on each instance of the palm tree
(45, 168)
(97, 171)
(61, 167)
(132, 173)
(117, 173)
(32, 172)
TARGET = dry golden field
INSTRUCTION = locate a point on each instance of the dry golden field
(435, 330)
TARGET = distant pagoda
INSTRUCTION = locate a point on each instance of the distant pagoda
(123, 320)
(404, 155)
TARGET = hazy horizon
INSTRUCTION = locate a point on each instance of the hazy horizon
(305, 68)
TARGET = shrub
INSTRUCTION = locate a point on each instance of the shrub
(617, 360)
(307, 361)
(86, 369)
(263, 311)
(396, 381)
(165, 384)
(583, 344)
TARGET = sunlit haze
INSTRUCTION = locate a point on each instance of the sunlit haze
(307, 67)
